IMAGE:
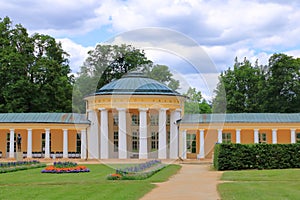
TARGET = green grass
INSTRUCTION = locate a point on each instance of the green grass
(261, 184)
(31, 184)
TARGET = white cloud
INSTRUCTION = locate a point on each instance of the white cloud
(77, 53)
(221, 29)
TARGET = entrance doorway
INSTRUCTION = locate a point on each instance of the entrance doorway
(191, 145)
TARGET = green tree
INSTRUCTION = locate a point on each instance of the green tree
(195, 103)
(105, 63)
(162, 74)
(239, 88)
(108, 62)
(33, 72)
(219, 103)
(282, 84)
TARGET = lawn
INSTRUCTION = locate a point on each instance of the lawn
(260, 184)
(32, 184)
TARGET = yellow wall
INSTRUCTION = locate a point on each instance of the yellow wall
(57, 140)
(3, 135)
(284, 136)
(56, 131)
(72, 134)
(134, 102)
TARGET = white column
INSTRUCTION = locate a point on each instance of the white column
(143, 148)
(93, 135)
(47, 143)
(256, 137)
(11, 143)
(162, 134)
(219, 136)
(175, 116)
(274, 136)
(104, 134)
(122, 133)
(65, 143)
(83, 144)
(29, 143)
(238, 136)
(293, 136)
(202, 153)
(184, 144)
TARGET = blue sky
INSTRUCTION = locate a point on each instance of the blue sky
(197, 39)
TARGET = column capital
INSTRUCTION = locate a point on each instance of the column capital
(11, 129)
(29, 129)
(274, 129)
(293, 129)
(143, 109)
(121, 109)
(237, 129)
(65, 129)
(102, 109)
(164, 109)
(256, 130)
(178, 110)
(47, 129)
(202, 129)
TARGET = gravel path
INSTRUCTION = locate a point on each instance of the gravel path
(193, 181)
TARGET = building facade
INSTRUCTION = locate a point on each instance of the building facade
(138, 117)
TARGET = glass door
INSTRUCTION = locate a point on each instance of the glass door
(191, 145)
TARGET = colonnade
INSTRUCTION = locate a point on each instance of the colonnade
(99, 127)
(238, 137)
(47, 143)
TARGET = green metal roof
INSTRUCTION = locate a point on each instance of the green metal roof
(136, 83)
(62, 118)
(242, 118)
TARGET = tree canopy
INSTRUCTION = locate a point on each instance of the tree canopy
(195, 103)
(33, 72)
(108, 62)
(271, 88)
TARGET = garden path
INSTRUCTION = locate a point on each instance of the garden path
(193, 181)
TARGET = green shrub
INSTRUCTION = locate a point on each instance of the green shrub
(256, 156)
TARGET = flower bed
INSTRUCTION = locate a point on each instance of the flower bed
(65, 167)
(20, 165)
(137, 172)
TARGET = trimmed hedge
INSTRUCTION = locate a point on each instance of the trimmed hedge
(256, 156)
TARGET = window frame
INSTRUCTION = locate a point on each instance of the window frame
(116, 141)
(262, 138)
(191, 143)
(226, 138)
(154, 141)
(135, 141)
(78, 142)
(298, 137)
(135, 121)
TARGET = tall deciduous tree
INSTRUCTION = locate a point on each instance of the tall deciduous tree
(108, 62)
(33, 72)
(283, 84)
(103, 64)
(271, 88)
(195, 103)
(239, 88)
(162, 74)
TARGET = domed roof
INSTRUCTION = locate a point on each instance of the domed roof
(136, 83)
